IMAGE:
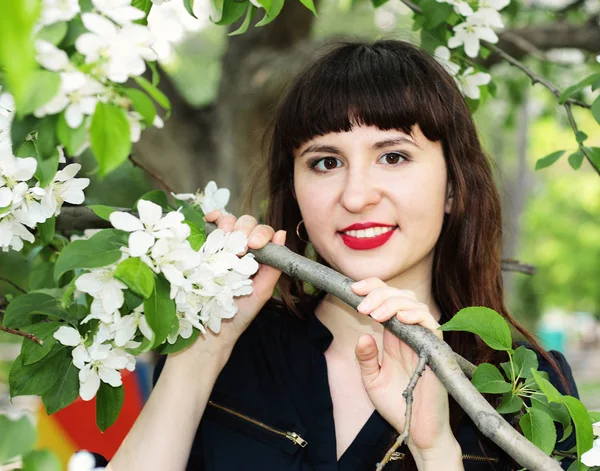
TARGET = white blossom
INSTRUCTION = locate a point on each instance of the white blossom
(150, 226)
(71, 337)
(487, 17)
(50, 57)
(15, 169)
(54, 11)
(120, 11)
(442, 53)
(460, 6)
(126, 327)
(13, 233)
(104, 365)
(118, 52)
(64, 188)
(78, 95)
(592, 456)
(470, 82)
(30, 211)
(83, 461)
(211, 199)
(7, 109)
(469, 33)
(101, 284)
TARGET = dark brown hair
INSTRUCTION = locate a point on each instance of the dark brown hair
(395, 85)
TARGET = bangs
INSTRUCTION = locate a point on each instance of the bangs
(388, 84)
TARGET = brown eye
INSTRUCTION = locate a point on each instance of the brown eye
(393, 158)
(326, 163)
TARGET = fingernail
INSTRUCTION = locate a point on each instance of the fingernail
(378, 313)
(364, 305)
(254, 240)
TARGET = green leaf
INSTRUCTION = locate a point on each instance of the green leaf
(160, 311)
(197, 236)
(308, 4)
(510, 404)
(46, 87)
(39, 377)
(46, 230)
(19, 311)
(194, 214)
(158, 96)
(435, 13)
(32, 352)
(524, 360)
(136, 275)
(17, 437)
(53, 33)
(189, 7)
(41, 460)
(576, 159)
(102, 211)
(110, 137)
(539, 429)
(41, 275)
(102, 249)
(488, 379)
(589, 80)
(145, 346)
(21, 128)
(596, 109)
(17, 54)
(65, 390)
(547, 388)
(594, 416)
(594, 155)
(181, 343)
(72, 139)
(580, 136)
(156, 196)
(549, 159)
(46, 168)
(491, 327)
(142, 104)
(145, 6)
(583, 427)
(109, 402)
(46, 137)
(556, 410)
(378, 3)
(246, 23)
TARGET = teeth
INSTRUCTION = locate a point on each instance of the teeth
(370, 232)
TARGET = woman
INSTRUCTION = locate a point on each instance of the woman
(375, 160)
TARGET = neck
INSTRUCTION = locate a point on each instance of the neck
(347, 325)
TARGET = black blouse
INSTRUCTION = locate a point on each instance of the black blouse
(271, 408)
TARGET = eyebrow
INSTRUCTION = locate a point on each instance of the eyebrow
(378, 145)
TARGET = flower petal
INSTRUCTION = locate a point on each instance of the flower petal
(125, 222)
(139, 243)
(68, 336)
(150, 213)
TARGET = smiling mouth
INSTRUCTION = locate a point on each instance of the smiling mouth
(366, 239)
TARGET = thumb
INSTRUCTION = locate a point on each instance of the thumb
(367, 355)
(267, 276)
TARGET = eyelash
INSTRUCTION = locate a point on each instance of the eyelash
(313, 164)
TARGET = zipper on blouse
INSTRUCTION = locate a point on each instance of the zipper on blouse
(479, 458)
(292, 436)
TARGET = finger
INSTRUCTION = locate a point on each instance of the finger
(376, 303)
(212, 216)
(266, 278)
(367, 355)
(367, 285)
(225, 222)
(260, 236)
(245, 224)
(422, 317)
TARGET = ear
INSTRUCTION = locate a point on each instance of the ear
(449, 198)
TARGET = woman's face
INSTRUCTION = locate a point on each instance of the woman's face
(389, 181)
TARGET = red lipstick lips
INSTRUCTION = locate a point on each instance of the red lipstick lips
(366, 243)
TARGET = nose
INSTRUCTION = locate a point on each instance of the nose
(360, 191)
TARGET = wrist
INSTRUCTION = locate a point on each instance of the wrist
(445, 454)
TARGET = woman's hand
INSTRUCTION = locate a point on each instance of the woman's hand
(430, 432)
(263, 282)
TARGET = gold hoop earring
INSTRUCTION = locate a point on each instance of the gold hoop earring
(298, 231)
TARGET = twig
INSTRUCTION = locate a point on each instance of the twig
(152, 173)
(535, 78)
(440, 357)
(13, 284)
(31, 337)
(581, 146)
(408, 395)
(511, 264)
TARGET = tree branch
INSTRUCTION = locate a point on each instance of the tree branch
(440, 357)
(26, 335)
(12, 283)
(408, 396)
(150, 172)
